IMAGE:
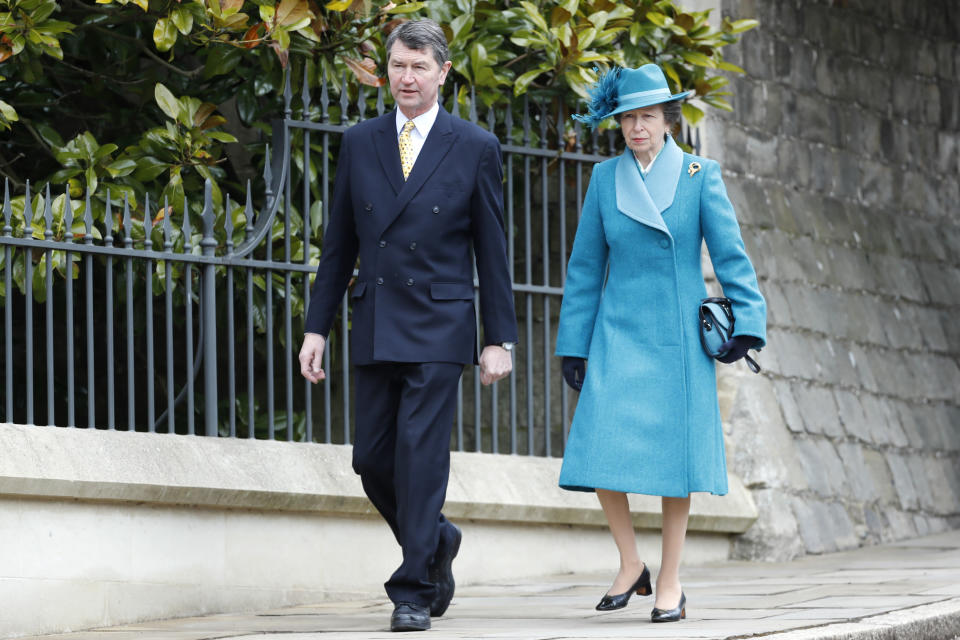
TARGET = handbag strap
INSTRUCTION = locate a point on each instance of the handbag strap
(752, 364)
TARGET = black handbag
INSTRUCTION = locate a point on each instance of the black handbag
(716, 327)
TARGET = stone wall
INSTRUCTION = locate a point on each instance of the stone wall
(842, 158)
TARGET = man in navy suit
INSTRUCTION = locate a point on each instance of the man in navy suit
(418, 195)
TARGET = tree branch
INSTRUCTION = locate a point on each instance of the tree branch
(192, 73)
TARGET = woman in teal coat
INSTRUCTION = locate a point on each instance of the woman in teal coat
(647, 419)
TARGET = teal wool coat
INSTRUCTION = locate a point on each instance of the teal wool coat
(647, 420)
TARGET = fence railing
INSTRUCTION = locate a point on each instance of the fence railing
(224, 303)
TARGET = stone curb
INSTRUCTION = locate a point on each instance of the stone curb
(937, 621)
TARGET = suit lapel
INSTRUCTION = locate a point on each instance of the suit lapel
(388, 150)
(437, 145)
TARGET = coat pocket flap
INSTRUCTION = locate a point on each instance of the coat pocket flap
(358, 289)
(451, 291)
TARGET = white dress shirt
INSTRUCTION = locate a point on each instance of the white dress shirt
(421, 128)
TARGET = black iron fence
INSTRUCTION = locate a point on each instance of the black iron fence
(149, 324)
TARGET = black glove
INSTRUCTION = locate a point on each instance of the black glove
(573, 371)
(736, 348)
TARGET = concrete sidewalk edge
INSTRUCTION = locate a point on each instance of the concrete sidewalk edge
(937, 621)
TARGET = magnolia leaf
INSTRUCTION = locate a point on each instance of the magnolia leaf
(143, 4)
(167, 101)
(533, 12)
(559, 16)
(338, 5)
(222, 136)
(213, 121)
(729, 66)
(409, 7)
(8, 112)
(229, 7)
(739, 26)
(363, 75)
(290, 12)
(521, 83)
(165, 34)
(121, 168)
(658, 19)
(693, 115)
(698, 59)
(183, 19)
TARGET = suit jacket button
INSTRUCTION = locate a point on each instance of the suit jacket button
(369, 207)
(383, 243)
(410, 282)
(379, 280)
(413, 245)
(436, 209)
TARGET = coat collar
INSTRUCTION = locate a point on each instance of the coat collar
(644, 200)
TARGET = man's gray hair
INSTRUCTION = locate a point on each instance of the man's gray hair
(420, 34)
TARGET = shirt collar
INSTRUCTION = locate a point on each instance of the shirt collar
(422, 123)
(645, 171)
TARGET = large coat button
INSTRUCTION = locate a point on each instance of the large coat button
(665, 243)
(369, 207)
(410, 282)
(436, 209)
(413, 245)
(383, 243)
(379, 280)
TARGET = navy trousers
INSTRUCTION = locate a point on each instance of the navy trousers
(404, 417)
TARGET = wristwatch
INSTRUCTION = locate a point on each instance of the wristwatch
(508, 345)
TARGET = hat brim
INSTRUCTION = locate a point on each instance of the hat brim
(639, 103)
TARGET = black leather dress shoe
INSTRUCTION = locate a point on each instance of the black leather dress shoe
(641, 587)
(409, 617)
(670, 615)
(441, 573)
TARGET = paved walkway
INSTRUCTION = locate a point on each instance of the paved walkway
(908, 590)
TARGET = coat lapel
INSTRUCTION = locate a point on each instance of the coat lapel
(388, 150)
(644, 201)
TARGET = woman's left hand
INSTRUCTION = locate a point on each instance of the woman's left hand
(736, 347)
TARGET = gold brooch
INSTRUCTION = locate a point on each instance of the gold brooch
(693, 168)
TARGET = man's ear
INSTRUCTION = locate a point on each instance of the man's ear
(444, 70)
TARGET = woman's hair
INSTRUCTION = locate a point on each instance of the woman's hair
(671, 113)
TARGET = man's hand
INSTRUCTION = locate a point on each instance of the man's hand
(311, 357)
(495, 363)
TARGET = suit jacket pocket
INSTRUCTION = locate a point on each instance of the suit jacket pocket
(451, 291)
(358, 290)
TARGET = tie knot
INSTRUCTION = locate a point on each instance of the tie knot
(407, 127)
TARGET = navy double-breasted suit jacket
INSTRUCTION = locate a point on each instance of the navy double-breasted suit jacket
(414, 297)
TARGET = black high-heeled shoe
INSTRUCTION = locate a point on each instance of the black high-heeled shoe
(670, 615)
(641, 587)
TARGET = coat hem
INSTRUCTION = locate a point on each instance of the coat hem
(585, 489)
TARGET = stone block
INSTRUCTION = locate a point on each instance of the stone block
(808, 454)
(921, 143)
(890, 372)
(869, 39)
(925, 57)
(920, 238)
(763, 450)
(846, 182)
(789, 21)
(899, 322)
(816, 24)
(861, 364)
(873, 313)
(876, 186)
(778, 201)
(734, 149)
(946, 59)
(833, 363)
(830, 73)
(792, 416)
(818, 119)
(851, 415)
(860, 131)
(778, 310)
(896, 276)
(793, 355)
(947, 152)
(894, 141)
(943, 498)
(948, 193)
(930, 324)
(774, 537)
(901, 525)
(859, 480)
(881, 420)
(824, 527)
(880, 477)
(940, 282)
(757, 50)
(903, 481)
(794, 162)
(917, 464)
(762, 155)
(949, 107)
(817, 407)
(920, 425)
(750, 202)
(931, 104)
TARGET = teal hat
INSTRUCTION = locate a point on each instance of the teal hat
(621, 89)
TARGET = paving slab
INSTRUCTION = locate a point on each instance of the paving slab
(905, 590)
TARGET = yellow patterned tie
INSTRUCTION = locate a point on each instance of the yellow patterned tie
(406, 149)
